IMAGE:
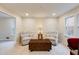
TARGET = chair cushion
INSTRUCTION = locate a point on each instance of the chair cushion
(73, 43)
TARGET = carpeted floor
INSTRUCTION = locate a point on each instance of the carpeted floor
(10, 48)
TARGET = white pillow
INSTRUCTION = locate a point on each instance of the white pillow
(25, 38)
(74, 52)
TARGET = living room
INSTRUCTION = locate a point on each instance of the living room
(25, 23)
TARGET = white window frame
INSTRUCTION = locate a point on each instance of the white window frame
(67, 35)
(77, 23)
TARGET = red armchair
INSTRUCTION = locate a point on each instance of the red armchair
(73, 44)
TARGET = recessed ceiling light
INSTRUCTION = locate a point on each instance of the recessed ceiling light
(27, 14)
(53, 14)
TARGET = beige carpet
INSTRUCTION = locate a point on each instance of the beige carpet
(9, 48)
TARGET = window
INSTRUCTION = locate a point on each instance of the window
(78, 25)
(69, 23)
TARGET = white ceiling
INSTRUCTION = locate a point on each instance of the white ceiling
(40, 9)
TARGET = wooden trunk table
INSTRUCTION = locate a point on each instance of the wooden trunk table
(40, 45)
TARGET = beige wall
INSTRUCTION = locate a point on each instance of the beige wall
(29, 25)
(50, 25)
(18, 28)
(46, 24)
(62, 37)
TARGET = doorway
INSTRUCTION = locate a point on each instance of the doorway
(7, 27)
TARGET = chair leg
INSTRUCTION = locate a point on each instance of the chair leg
(78, 52)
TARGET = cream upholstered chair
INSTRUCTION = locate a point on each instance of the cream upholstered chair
(26, 37)
(53, 36)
